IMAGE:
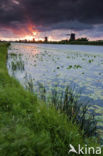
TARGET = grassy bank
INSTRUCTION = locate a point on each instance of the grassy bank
(27, 126)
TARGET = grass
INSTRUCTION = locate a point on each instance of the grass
(16, 62)
(17, 65)
(68, 102)
(27, 126)
(13, 54)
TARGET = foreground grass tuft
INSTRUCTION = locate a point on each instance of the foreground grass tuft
(27, 126)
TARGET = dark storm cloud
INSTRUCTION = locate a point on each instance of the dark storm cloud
(52, 14)
(10, 13)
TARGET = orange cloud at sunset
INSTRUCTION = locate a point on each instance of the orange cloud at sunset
(22, 31)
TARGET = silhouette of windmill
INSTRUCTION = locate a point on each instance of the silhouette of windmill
(72, 36)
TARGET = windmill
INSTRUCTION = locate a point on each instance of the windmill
(72, 36)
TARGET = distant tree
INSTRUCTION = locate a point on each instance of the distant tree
(19, 40)
(25, 41)
(64, 41)
(82, 39)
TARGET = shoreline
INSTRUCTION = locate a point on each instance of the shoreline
(28, 125)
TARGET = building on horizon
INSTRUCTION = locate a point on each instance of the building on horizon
(72, 37)
(46, 39)
(33, 40)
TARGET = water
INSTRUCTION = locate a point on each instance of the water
(80, 67)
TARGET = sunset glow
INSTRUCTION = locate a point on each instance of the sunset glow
(24, 19)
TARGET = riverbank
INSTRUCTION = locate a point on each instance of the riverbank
(66, 42)
(28, 126)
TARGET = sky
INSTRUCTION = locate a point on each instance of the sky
(28, 19)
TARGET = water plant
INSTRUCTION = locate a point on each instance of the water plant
(69, 67)
(13, 55)
(30, 85)
(18, 65)
(58, 67)
(68, 57)
(68, 102)
(90, 61)
(77, 66)
(74, 67)
(83, 59)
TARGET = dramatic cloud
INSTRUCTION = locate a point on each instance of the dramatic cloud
(22, 17)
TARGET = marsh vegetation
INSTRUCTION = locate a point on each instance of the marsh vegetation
(79, 67)
(28, 126)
